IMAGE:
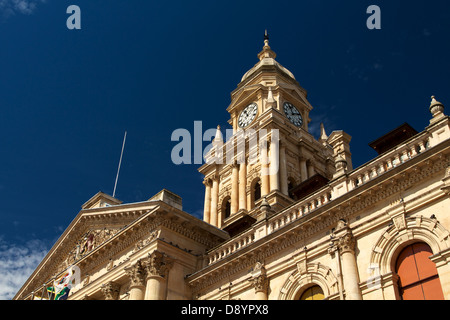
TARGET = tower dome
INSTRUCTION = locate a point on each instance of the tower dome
(267, 60)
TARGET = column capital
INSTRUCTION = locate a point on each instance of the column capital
(347, 243)
(157, 264)
(136, 273)
(234, 165)
(259, 279)
(282, 143)
(111, 290)
(207, 182)
(260, 283)
(342, 239)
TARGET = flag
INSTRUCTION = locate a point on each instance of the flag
(62, 286)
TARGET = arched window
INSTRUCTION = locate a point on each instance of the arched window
(313, 293)
(291, 185)
(226, 207)
(418, 277)
(257, 191)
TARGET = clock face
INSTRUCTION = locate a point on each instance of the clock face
(293, 114)
(248, 115)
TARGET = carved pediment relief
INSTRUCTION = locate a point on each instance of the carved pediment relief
(87, 243)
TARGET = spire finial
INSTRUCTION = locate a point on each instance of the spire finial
(218, 136)
(266, 39)
(436, 108)
(266, 52)
(323, 134)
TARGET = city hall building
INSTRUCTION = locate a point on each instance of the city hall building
(315, 228)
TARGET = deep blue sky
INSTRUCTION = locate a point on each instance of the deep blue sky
(67, 96)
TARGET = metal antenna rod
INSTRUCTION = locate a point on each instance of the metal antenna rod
(120, 162)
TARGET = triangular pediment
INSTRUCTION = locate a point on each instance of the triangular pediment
(244, 96)
(91, 229)
(296, 93)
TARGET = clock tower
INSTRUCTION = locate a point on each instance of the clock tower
(271, 104)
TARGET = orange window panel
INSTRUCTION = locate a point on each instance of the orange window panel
(418, 276)
(413, 292)
(432, 289)
(425, 267)
(406, 267)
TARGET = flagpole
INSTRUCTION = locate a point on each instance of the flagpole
(120, 162)
(43, 290)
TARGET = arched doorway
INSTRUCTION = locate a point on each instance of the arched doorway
(418, 276)
(313, 293)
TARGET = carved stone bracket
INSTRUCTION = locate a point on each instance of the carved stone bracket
(446, 180)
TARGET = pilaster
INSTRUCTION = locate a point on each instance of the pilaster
(207, 208)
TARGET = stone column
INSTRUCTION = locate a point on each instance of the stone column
(234, 188)
(260, 282)
(137, 276)
(214, 200)
(303, 170)
(207, 208)
(283, 171)
(311, 170)
(264, 161)
(265, 183)
(111, 290)
(346, 246)
(243, 186)
(157, 267)
(274, 166)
